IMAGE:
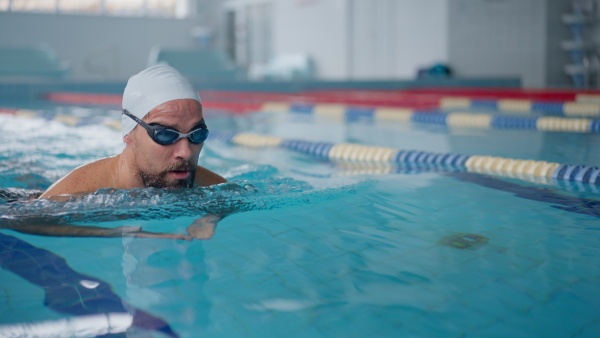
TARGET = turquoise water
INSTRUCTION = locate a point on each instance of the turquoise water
(310, 248)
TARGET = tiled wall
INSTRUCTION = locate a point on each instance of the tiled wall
(557, 32)
(97, 47)
(509, 37)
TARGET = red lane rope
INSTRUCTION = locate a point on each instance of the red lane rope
(418, 98)
(8, 111)
(115, 100)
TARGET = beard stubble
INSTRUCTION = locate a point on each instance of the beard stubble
(160, 179)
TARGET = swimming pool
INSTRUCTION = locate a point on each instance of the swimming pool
(311, 247)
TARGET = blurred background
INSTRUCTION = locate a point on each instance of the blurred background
(530, 43)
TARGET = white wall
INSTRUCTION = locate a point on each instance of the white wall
(355, 39)
(314, 27)
(393, 39)
(348, 39)
(119, 45)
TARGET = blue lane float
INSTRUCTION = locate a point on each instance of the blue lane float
(302, 108)
(318, 150)
(537, 171)
(485, 104)
(595, 126)
(432, 118)
(514, 122)
(551, 108)
(358, 114)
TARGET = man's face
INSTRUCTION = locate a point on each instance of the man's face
(173, 165)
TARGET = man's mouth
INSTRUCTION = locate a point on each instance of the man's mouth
(179, 174)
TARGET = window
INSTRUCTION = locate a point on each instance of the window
(33, 5)
(161, 7)
(124, 7)
(149, 8)
(84, 6)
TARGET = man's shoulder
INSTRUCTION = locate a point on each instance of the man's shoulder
(98, 170)
(86, 178)
(205, 177)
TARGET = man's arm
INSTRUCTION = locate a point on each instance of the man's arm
(88, 231)
(204, 227)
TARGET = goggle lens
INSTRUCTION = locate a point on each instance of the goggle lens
(199, 136)
(168, 136)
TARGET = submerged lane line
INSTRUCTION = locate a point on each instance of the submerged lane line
(59, 282)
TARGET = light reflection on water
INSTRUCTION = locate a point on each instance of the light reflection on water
(50, 148)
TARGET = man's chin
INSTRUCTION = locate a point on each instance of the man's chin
(170, 183)
(165, 182)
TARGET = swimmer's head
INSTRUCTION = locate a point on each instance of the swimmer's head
(151, 87)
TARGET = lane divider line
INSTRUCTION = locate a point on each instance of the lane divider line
(452, 120)
(537, 171)
(587, 108)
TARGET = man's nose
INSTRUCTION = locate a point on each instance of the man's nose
(183, 148)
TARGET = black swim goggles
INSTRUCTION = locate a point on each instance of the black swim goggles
(165, 135)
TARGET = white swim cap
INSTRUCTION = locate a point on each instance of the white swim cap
(151, 87)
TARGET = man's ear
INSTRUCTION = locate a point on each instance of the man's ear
(127, 139)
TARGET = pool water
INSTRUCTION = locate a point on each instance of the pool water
(309, 248)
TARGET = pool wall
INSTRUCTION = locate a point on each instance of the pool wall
(28, 91)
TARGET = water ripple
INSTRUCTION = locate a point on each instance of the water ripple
(150, 203)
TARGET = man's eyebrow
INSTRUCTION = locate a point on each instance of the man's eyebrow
(202, 123)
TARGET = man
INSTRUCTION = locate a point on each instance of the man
(164, 130)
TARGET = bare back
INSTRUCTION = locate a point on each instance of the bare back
(88, 178)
